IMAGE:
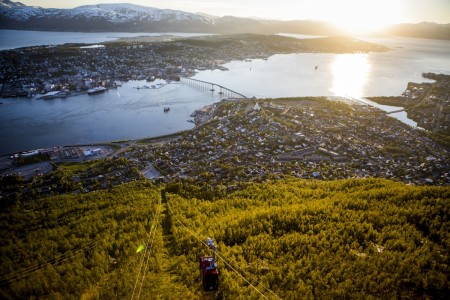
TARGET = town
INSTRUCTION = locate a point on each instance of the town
(306, 138)
(254, 140)
(234, 141)
(74, 68)
(427, 103)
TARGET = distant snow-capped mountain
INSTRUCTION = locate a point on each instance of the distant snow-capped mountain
(123, 13)
(134, 18)
(18, 11)
(122, 17)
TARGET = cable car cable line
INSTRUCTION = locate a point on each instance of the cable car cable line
(151, 245)
(223, 259)
(14, 276)
(147, 251)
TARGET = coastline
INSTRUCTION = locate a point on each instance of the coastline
(243, 70)
(165, 137)
(72, 94)
(288, 140)
(86, 92)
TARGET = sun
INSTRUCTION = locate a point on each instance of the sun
(361, 17)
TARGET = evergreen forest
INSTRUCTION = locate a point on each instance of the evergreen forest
(283, 239)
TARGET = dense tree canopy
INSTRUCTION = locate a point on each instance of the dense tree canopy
(290, 239)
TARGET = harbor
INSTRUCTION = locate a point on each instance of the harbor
(122, 113)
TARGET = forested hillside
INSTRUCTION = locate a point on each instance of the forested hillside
(289, 239)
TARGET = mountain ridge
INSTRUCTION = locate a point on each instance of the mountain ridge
(125, 17)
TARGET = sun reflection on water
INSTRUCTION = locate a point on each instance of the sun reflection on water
(350, 74)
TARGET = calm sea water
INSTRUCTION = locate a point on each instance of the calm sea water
(353, 75)
(11, 39)
(128, 113)
(118, 114)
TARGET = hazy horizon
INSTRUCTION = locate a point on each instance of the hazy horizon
(348, 14)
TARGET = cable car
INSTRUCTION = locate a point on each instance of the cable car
(209, 273)
(208, 269)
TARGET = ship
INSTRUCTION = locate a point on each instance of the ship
(142, 87)
(96, 90)
(166, 109)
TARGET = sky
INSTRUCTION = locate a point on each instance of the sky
(346, 13)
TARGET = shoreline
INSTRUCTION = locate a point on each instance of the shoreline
(348, 100)
(182, 147)
(75, 94)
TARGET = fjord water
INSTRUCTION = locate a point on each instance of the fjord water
(118, 114)
(353, 75)
(128, 113)
(11, 39)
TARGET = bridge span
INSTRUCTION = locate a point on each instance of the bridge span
(213, 87)
(395, 111)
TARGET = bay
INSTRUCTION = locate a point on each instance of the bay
(118, 114)
(128, 113)
(352, 75)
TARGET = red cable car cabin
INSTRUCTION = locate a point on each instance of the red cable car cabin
(209, 273)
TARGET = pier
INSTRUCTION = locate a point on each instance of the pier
(213, 87)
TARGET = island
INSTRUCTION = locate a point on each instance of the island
(75, 68)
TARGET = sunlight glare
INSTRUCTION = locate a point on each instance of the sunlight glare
(361, 17)
(350, 73)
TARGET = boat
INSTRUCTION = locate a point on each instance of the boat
(166, 109)
(55, 94)
(96, 90)
(142, 87)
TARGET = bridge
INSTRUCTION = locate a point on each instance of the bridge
(395, 111)
(213, 87)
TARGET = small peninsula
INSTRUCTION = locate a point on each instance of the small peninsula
(426, 103)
